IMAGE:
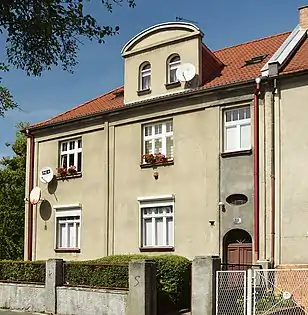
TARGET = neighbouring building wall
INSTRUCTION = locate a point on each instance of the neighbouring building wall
(292, 187)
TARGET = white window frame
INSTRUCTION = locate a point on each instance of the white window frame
(144, 73)
(173, 65)
(69, 151)
(238, 124)
(163, 136)
(151, 202)
(65, 212)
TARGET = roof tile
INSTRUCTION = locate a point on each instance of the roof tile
(221, 67)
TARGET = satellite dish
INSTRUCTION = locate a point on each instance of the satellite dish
(185, 72)
(35, 195)
(46, 175)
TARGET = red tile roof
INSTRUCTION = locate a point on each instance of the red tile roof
(221, 67)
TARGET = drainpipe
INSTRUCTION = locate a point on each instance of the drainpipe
(273, 204)
(30, 187)
(256, 168)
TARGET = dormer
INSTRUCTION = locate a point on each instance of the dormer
(152, 57)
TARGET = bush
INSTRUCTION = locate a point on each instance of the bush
(173, 278)
(28, 272)
(96, 275)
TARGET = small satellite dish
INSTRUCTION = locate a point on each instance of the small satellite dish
(35, 195)
(46, 175)
(185, 72)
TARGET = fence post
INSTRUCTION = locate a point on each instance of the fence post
(203, 284)
(142, 296)
(54, 278)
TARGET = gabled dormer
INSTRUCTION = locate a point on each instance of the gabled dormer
(152, 57)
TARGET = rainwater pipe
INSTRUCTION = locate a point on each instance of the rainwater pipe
(273, 175)
(30, 187)
(256, 168)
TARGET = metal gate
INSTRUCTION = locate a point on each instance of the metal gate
(262, 292)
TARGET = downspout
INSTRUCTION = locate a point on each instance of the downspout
(273, 204)
(30, 187)
(256, 168)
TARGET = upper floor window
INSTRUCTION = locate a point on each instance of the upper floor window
(173, 64)
(145, 77)
(237, 125)
(158, 138)
(71, 154)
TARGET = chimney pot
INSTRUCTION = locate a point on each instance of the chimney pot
(303, 16)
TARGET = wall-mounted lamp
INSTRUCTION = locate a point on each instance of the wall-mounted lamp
(222, 206)
(155, 175)
(212, 222)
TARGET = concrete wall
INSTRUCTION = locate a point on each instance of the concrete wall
(79, 301)
(27, 297)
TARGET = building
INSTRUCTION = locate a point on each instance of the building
(231, 181)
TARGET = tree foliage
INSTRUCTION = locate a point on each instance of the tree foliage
(12, 193)
(41, 34)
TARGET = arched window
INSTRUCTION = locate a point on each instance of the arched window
(145, 77)
(173, 64)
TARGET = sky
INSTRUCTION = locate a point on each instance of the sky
(100, 66)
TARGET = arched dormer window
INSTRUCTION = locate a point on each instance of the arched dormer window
(173, 63)
(145, 77)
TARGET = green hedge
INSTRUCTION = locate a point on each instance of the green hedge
(22, 271)
(173, 277)
(96, 275)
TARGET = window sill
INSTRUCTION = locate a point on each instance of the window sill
(172, 85)
(149, 165)
(67, 250)
(144, 92)
(157, 249)
(78, 175)
(236, 153)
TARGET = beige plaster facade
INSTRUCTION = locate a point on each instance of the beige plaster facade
(199, 177)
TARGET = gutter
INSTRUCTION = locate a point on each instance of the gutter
(256, 179)
(146, 102)
(273, 201)
(30, 187)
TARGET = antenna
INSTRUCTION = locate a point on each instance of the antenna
(46, 175)
(180, 19)
(185, 72)
(35, 195)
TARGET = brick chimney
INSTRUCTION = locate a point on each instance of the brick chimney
(303, 16)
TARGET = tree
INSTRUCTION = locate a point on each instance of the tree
(12, 193)
(41, 34)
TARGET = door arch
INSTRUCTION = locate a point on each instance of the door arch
(237, 249)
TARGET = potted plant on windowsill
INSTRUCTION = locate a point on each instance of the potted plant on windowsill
(72, 170)
(62, 172)
(156, 158)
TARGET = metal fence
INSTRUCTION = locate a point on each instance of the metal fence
(23, 272)
(109, 276)
(280, 292)
(231, 292)
(262, 292)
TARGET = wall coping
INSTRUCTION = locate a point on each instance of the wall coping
(97, 290)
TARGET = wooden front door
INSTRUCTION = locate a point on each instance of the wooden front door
(239, 256)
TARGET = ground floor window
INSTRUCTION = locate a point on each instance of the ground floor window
(68, 223)
(157, 222)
